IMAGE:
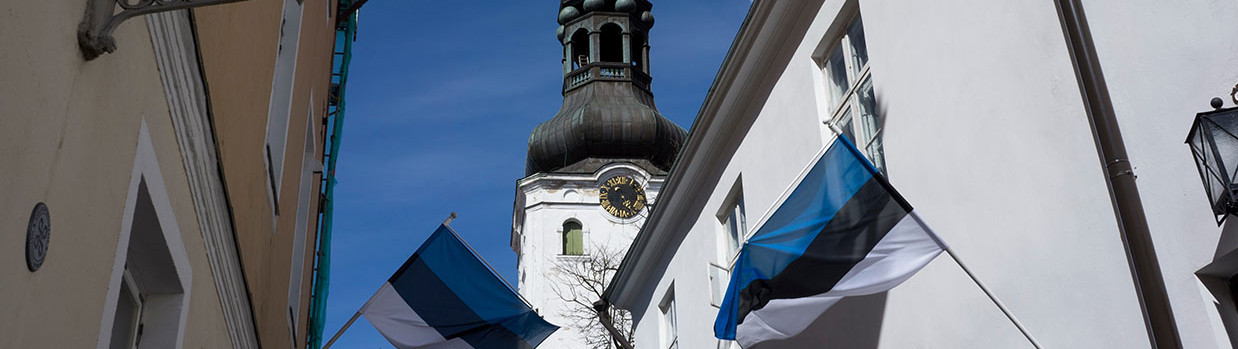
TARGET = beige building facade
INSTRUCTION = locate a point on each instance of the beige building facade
(176, 179)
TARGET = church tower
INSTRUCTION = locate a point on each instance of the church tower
(594, 169)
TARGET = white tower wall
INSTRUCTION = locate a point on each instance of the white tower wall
(544, 202)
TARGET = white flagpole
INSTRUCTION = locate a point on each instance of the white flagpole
(985, 289)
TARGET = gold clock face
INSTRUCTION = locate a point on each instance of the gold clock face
(622, 196)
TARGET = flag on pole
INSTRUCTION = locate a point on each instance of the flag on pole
(445, 297)
(843, 231)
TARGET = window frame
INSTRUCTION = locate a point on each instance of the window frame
(849, 106)
(734, 235)
(135, 322)
(283, 92)
(669, 333)
(311, 173)
(731, 241)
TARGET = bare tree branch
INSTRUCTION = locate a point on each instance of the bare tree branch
(581, 282)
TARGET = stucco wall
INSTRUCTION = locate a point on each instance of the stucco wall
(69, 138)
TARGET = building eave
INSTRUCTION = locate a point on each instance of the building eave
(765, 42)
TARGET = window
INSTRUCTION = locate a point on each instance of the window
(311, 169)
(280, 108)
(852, 104)
(573, 239)
(580, 49)
(670, 332)
(734, 227)
(150, 278)
(611, 49)
(730, 240)
(637, 51)
(126, 323)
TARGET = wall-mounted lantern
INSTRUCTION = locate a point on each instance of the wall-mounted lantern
(1214, 144)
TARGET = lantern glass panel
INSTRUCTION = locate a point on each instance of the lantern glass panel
(1224, 131)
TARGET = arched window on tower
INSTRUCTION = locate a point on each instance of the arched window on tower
(637, 51)
(612, 43)
(580, 49)
(573, 239)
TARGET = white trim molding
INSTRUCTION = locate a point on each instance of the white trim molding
(176, 51)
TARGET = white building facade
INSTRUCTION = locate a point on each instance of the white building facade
(974, 111)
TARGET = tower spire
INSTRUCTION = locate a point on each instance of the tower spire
(608, 112)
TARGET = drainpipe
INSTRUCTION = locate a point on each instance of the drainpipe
(1120, 177)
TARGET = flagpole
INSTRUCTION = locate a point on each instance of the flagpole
(342, 329)
(367, 302)
(985, 289)
(351, 320)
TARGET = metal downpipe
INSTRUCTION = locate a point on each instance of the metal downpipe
(1120, 177)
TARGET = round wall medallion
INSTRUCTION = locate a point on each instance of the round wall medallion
(38, 233)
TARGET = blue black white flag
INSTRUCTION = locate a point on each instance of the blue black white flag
(445, 297)
(842, 232)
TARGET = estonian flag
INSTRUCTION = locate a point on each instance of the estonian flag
(444, 297)
(842, 232)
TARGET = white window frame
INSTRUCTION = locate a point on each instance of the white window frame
(669, 333)
(311, 167)
(729, 242)
(857, 77)
(732, 239)
(279, 114)
(134, 295)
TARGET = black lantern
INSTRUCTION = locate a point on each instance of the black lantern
(1214, 143)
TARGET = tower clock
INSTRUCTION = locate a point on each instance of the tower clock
(622, 196)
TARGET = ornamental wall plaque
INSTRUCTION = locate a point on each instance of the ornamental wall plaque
(38, 234)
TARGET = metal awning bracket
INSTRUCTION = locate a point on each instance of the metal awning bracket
(94, 34)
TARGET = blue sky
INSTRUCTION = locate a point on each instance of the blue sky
(442, 97)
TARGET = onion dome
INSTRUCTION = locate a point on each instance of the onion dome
(594, 5)
(567, 14)
(604, 124)
(647, 17)
(625, 6)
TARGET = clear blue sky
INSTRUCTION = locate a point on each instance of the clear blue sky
(442, 97)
